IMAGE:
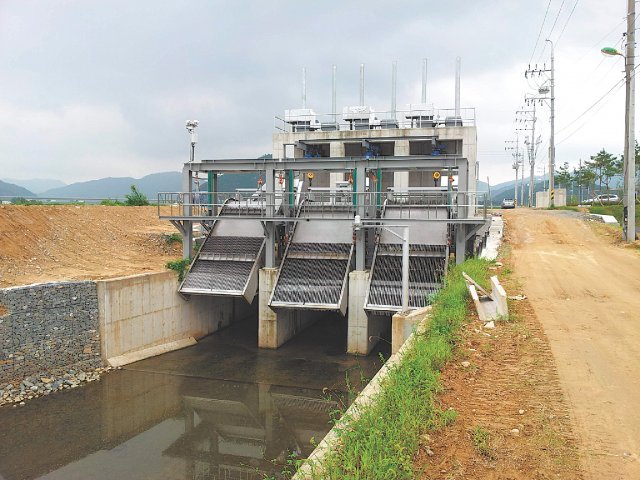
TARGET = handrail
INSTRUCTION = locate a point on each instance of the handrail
(306, 120)
(318, 204)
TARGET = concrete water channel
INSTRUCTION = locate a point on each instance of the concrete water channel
(220, 409)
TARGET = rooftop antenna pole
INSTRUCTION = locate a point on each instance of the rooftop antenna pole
(304, 87)
(424, 80)
(333, 92)
(362, 84)
(394, 81)
(457, 86)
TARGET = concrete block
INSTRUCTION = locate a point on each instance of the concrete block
(499, 296)
(403, 325)
(487, 309)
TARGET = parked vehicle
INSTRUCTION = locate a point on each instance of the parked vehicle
(508, 203)
(605, 199)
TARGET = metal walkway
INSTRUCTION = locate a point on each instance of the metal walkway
(230, 257)
(428, 258)
(315, 268)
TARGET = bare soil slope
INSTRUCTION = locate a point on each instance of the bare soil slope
(586, 293)
(68, 242)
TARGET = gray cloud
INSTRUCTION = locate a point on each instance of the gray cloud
(92, 89)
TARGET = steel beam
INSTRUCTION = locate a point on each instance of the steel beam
(270, 246)
(360, 184)
(187, 233)
(395, 163)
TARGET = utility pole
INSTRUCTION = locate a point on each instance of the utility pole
(629, 200)
(531, 146)
(552, 99)
(552, 145)
(516, 164)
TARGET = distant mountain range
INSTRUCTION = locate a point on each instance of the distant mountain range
(150, 185)
(118, 187)
(11, 190)
(36, 185)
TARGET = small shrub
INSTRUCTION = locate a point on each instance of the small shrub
(112, 203)
(173, 238)
(180, 266)
(136, 198)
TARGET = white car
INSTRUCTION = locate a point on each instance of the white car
(607, 198)
(508, 203)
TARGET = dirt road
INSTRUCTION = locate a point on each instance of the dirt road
(585, 292)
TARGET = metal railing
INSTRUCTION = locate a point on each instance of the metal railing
(365, 118)
(411, 205)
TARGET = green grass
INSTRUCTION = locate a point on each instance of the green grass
(615, 210)
(383, 440)
(482, 442)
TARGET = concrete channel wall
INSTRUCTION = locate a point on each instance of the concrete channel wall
(83, 325)
(144, 315)
(48, 326)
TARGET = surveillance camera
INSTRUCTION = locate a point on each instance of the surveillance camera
(191, 124)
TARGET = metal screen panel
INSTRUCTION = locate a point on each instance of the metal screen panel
(223, 265)
(313, 275)
(427, 265)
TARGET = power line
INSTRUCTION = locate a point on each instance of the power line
(615, 87)
(552, 28)
(594, 104)
(588, 119)
(567, 21)
(540, 32)
(599, 42)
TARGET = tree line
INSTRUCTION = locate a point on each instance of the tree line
(595, 175)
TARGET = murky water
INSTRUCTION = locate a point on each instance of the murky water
(219, 410)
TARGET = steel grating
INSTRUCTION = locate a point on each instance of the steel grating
(217, 275)
(313, 274)
(427, 264)
(231, 248)
(224, 264)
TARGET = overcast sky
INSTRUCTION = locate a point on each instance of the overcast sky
(90, 89)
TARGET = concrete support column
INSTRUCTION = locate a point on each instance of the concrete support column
(461, 243)
(275, 328)
(336, 149)
(363, 331)
(187, 234)
(401, 179)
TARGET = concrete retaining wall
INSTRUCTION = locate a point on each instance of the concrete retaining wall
(145, 311)
(83, 325)
(48, 326)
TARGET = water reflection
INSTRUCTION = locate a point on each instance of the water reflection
(219, 410)
(141, 425)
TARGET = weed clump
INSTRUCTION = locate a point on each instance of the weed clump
(180, 266)
(482, 442)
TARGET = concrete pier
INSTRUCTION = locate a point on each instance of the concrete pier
(363, 330)
(276, 327)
